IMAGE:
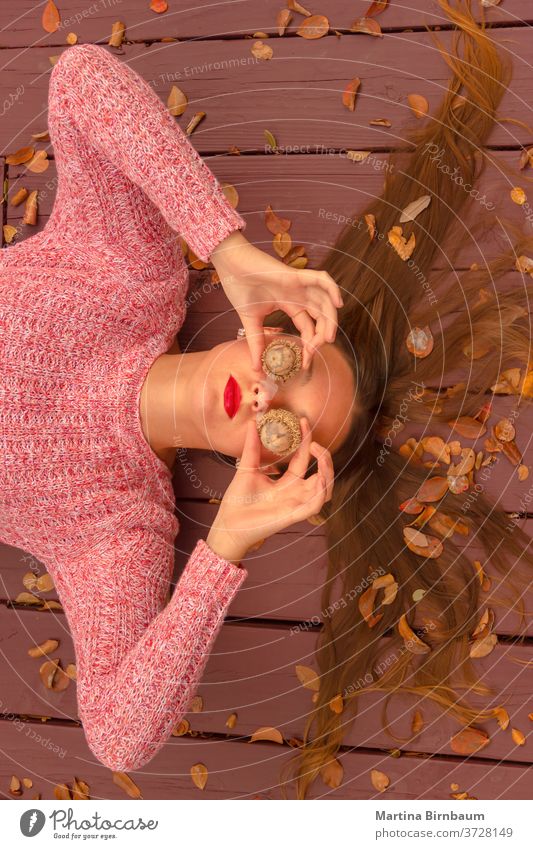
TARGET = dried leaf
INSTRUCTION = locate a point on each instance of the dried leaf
(159, 6)
(19, 196)
(27, 598)
(417, 722)
(45, 583)
(283, 20)
(80, 789)
(411, 506)
(336, 704)
(518, 737)
(436, 446)
(379, 780)
(24, 154)
(315, 26)
(193, 123)
(231, 721)
(403, 248)
(469, 740)
(296, 7)
(332, 773)
(282, 244)
(523, 472)
(370, 221)
(30, 210)
(51, 17)
(380, 122)
(366, 607)
(176, 101)
(377, 8)
(504, 430)
(199, 775)
(412, 642)
(307, 677)
(368, 26)
(270, 139)
(357, 155)
(118, 31)
(181, 728)
(62, 791)
(412, 210)
(502, 716)
(39, 163)
(122, 780)
(468, 427)
(14, 786)
(261, 50)
(267, 733)
(274, 223)
(43, 648)
(420, 342)
(483, 646)
(432, 489)
(418, 104)
(518, 195)
(196, 705)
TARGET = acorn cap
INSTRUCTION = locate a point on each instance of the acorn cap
(279, 431)
(281, 359)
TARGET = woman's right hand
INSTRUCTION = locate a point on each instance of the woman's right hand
(254, 506)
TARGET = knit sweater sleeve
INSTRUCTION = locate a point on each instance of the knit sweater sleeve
(139, 659)
(104, 117)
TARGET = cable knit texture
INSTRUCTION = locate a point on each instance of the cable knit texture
(86, 306)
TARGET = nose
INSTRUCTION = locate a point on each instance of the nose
(262, 392)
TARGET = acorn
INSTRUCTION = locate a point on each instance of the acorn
(279, 431)
(281, 359)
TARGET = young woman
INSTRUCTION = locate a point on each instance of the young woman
(92, 407)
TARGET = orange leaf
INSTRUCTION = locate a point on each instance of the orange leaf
(469, 741)
(315, 26)
(518, 737)
(274, 223)
(412, 642)
(336, 704)
(307, 677)
(468, 427)
(332, 773)
(432, 489)
(502, 716)
(379, 780)
(418, 104)
(160, 6)
(51, 17)
(368, 26)
(20, 156)
(122, 780)
(420, 339)
(350, 92)
(417, 722)
(267, 733)
(199, 775)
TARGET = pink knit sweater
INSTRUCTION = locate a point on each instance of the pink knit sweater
(86, 306)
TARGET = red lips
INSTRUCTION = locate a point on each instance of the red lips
(232, 397)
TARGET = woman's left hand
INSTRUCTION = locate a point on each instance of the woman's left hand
(256, 284)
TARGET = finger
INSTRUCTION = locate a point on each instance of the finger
(255, 338)
(325, 466)
(299, 461)
(326, 316)
(328, 284)
(251, 453)
(302, 321)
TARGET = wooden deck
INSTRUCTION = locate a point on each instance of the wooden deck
(251, 672)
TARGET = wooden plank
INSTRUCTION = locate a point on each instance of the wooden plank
(237, 770)
(297, 95)
(318, 194)
(20, 21)
(251, 672)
